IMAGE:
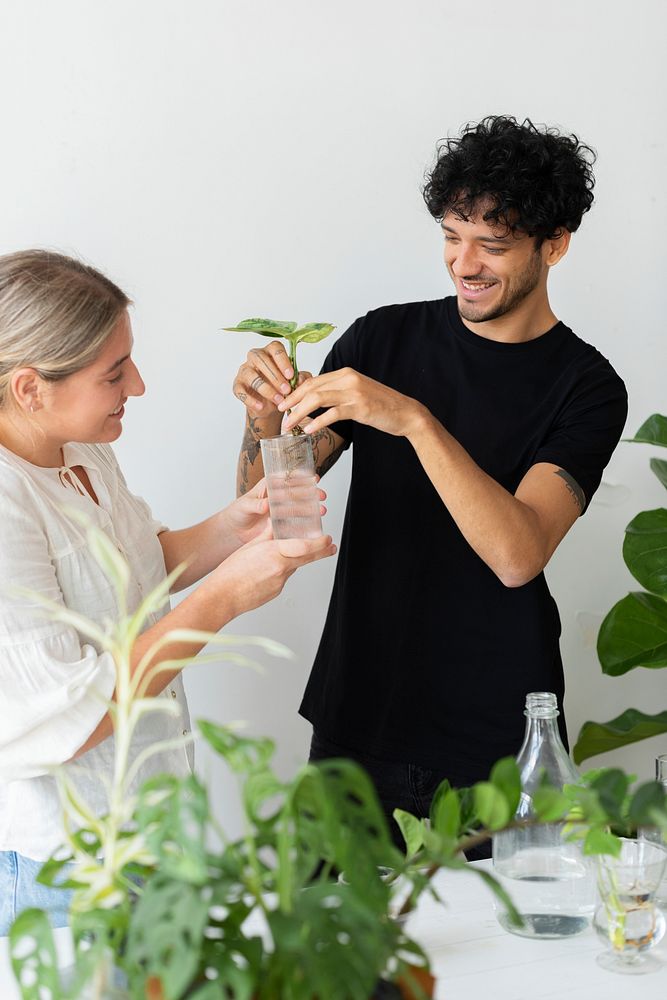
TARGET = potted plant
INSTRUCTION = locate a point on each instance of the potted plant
(634, 633)
(310, 333)
(161, 894)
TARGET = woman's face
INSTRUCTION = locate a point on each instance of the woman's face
(89, 406)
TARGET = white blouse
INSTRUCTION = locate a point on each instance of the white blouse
(54, 683)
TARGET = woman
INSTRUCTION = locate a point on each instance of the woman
(66, 373)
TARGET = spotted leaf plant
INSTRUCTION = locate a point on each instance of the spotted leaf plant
(310, 333)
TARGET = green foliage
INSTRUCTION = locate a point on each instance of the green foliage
(634, 632)
(310, 333)
(162, 891)
(629, 727)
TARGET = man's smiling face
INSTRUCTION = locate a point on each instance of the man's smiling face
(494, 269)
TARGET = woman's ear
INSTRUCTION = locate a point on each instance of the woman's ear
(25, 387)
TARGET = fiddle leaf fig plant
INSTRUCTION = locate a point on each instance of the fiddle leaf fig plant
(634, 633)
(310, 333)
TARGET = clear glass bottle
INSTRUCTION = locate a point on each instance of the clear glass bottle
(549, 879)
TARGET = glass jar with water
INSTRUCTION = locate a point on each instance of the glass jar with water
(547, 876)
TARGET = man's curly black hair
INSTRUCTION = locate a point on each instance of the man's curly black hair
(538, 181)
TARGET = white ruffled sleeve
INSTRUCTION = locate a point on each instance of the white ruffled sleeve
(54, 686)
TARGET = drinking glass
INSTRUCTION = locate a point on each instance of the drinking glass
(628, 919)
(291, 483)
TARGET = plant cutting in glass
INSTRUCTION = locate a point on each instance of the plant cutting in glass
(634, 633)
(310, 333)
(185, 911)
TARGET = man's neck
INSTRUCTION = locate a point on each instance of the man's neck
(528, 321)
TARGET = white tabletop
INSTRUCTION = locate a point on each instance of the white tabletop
(475, 959)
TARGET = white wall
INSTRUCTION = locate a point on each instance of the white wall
(224, 159)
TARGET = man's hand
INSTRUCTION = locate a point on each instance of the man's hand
(347, 395)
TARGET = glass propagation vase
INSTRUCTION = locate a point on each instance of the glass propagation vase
(627, 918)
(545, 873)
(291, 482)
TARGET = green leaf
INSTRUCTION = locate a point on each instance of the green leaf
(312, 333)
(611, 786)
(629, 727)
(333, 945)
(634, 634)
(498, 890)
(659, 467)
(242, 753)
(172, 814)
(491, 805)
(166, 934)
(33, 955)
(259, 789)
(550, 804)
(412, 830)
(267, 327)
(445, 811)
(505, 776)
(645, 549)
(363, 842)
(648, 799)
(599, 841)
(652, 431)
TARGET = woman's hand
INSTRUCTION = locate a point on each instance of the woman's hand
(246, 517)
(257, 572)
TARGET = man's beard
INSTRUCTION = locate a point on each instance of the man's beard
(516, 292)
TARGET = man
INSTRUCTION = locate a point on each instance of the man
(481, 425)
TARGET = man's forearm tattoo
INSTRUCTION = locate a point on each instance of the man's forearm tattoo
(325, 451)
(250, 449)
(574, 488)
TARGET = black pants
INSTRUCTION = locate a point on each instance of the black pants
(401, 786)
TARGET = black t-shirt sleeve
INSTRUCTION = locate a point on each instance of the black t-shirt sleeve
(587, 431)
(344, 354)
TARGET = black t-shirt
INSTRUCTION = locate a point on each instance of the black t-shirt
(426, 657)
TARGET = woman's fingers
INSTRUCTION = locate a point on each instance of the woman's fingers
(305, 550)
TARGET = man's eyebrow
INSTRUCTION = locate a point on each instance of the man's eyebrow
(480, 239)
(116, 364)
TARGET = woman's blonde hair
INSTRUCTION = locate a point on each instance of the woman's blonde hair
(55, 315)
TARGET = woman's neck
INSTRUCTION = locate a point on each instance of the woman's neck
(29, 443)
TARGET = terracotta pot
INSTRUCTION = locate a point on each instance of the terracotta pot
(425, 980)
(422, 976)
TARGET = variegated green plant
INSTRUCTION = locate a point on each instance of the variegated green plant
(101, 853)
(310, 333)
(634, 633)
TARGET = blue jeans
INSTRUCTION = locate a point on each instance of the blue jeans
(19, 890)
(402, 786)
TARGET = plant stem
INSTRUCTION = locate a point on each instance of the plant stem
(296, 431)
